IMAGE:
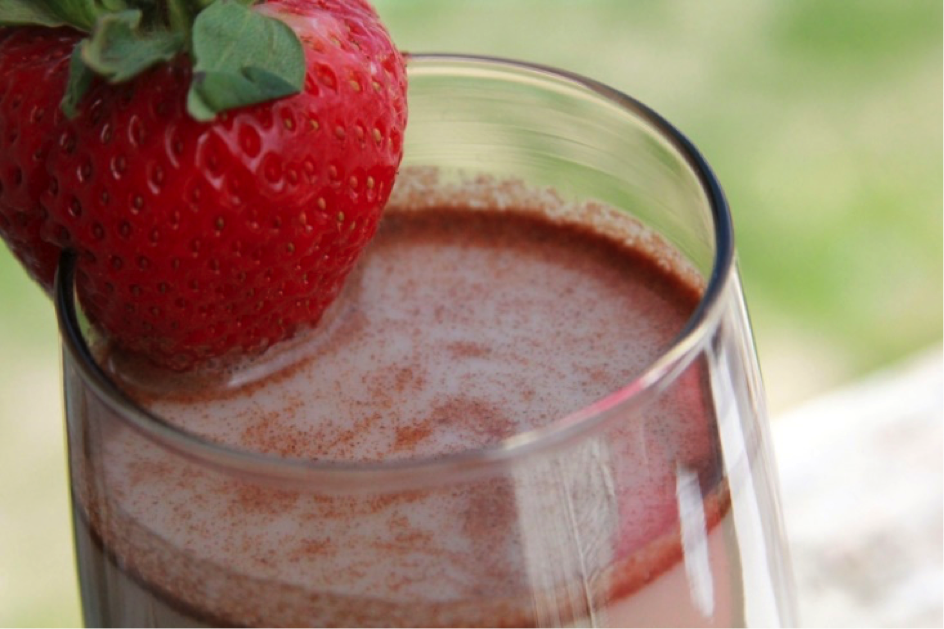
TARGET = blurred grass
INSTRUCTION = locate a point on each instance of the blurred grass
(823, 121)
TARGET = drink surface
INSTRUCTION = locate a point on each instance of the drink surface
(459, 329)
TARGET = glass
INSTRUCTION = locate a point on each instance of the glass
(573, 533)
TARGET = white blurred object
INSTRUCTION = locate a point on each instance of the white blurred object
(863, 496)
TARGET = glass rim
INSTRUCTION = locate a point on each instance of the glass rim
(411, 473)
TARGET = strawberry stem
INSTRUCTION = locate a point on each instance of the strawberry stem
(179, 16)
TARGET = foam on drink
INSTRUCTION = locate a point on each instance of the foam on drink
(476, 315)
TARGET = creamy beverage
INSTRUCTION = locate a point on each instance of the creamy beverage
(470, 320)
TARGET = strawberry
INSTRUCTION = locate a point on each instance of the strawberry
(208, 218)
(34, 64)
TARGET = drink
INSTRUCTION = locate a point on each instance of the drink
(453, 334)
(524, 409)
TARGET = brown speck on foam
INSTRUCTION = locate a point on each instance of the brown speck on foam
(408, 436)
(475, 417)
(467, 349)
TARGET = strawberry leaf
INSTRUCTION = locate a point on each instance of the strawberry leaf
(241, 57)
(80, 79)
(119, 50)
(80, 14)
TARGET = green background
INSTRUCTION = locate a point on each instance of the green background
(823, 121)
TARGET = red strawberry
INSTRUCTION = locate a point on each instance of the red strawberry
(34, 63)
(201, 239)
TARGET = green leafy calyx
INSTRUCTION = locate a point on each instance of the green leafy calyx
(240, 57)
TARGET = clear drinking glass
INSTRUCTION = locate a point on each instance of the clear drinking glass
(572, 539)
